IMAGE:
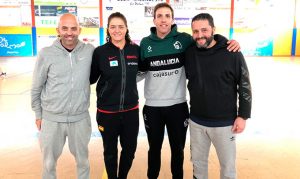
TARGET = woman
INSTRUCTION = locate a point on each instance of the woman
(115, 66)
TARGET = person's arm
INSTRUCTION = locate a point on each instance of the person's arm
(38, 123)
(142, 72)
(140, 76)
(245, 96)
(95, 71)
(233, 46)
(143, 66)
(186, 62)
(239, 125)
(38, 83)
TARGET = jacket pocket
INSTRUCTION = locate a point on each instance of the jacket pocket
(80, 101)
(103, 89)
(55, 101)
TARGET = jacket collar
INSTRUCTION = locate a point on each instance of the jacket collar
(58, 45)
(171, 34)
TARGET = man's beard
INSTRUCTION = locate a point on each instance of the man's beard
(207, 43)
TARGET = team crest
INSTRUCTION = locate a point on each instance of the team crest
(177, 45)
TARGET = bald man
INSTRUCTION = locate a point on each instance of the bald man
(60, 97)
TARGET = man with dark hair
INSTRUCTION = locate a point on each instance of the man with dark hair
(218, 80)
(162, 55)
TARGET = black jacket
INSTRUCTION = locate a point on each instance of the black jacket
(116, 70)
(218, 79)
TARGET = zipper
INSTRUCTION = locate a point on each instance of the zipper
(72, 79)
(72, 84)
(123, 81)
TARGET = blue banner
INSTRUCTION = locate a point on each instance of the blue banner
(260, 48)
(15, 45)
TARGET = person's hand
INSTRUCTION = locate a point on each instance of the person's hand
(38, 123)
(233, 45)
(239, 125)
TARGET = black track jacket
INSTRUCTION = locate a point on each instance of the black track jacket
(116, 70)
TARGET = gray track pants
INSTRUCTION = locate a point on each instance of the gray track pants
(52, 139)
(224, 142)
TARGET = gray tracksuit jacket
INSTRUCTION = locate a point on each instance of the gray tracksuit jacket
(60, 87)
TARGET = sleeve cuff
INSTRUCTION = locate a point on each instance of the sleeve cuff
(38, 115)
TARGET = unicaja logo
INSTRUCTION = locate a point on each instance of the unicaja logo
(177, 45)
(149, 49)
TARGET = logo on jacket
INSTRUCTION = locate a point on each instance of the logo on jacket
(149, 48)
(111, 58)
(113, 63)
(131, 57)
(81, 58)
(132, 63)
(177, 45)
(101, 128)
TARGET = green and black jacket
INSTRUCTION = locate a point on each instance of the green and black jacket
(163, 59)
